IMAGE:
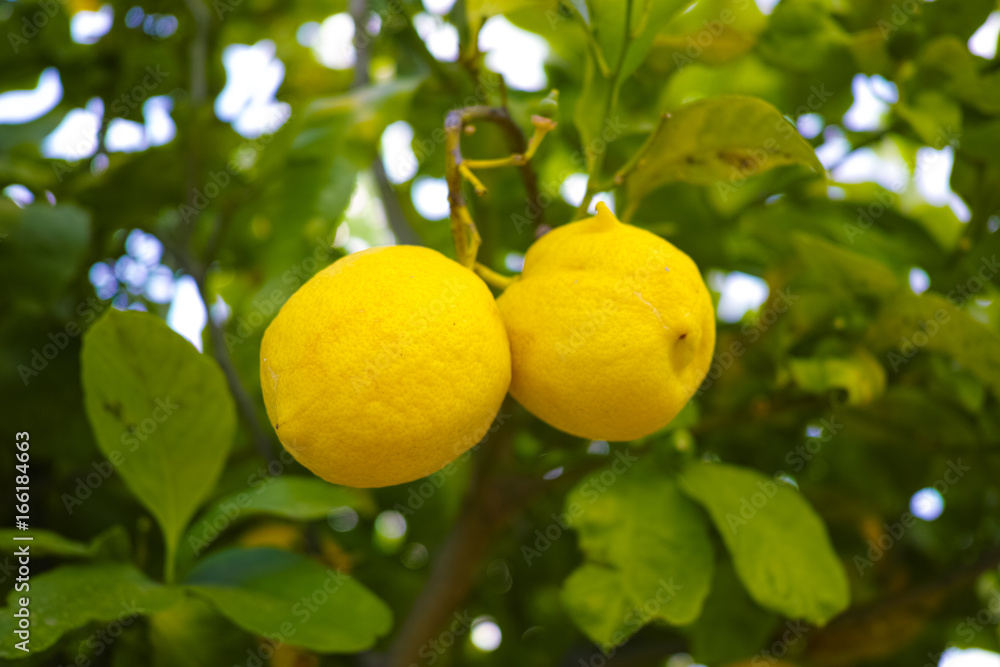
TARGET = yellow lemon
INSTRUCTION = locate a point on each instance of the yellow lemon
(611, 329)
(385, 366)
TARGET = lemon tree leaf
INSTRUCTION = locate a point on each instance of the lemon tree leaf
(779, 545)
(288, 497)
(113, 541)
(42, 248)
(909, 323)
(647, 542)
(861, 375)
(839, 268)
(262, 590)
(160, 411)
(720, 140)
(73, 595)
(731, 626)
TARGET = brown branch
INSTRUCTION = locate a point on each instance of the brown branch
(490, 503)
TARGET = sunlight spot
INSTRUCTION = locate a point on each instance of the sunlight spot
(430, 197)
(866, 165)
(970, 657)
(573, 189)
(187, 315)
(868, 113)
(19, 194)
(927, 504)
(933, 179)
(486, 635)
(76, 136)
(125, 136)
(984, 42)
(766, 6)
(440, 36)
(160, 127)
(390, 524)
(598, 447)
(22, 106)
(607, 197)
(514, 261)
(517, 54)
(342, 519)
(397, 152)
(253, 76)
(740, 293)
(834, 148)
(555, 473)
(919, 280)
(87, 27)
(333, 43)
(810, 125)
(439, 6)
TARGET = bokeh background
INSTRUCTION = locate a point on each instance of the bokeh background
(200, 160)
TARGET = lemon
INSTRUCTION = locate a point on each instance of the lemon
(611, 329)
(385, 366)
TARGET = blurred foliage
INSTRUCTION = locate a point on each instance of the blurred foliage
(191, 540)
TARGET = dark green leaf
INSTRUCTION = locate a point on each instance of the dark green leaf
(272, 592)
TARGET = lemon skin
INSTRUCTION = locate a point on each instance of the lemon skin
(611, 329)
(385, 366)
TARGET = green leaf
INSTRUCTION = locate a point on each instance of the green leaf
(909, 323)
(160, 411)
(646, 542)
(113, 541)
(731, 626)
(289, 497)
(623, 43)
(717, 142)
(803, 36)
(266, 591)
(74, 595)
(779, 545)
(41, 248)
(861, 375)
(839, 268)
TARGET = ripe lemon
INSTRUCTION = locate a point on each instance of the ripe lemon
(385, 366)
(611, 329)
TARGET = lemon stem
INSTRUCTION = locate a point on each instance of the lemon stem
(492, 278)
(458, 169)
